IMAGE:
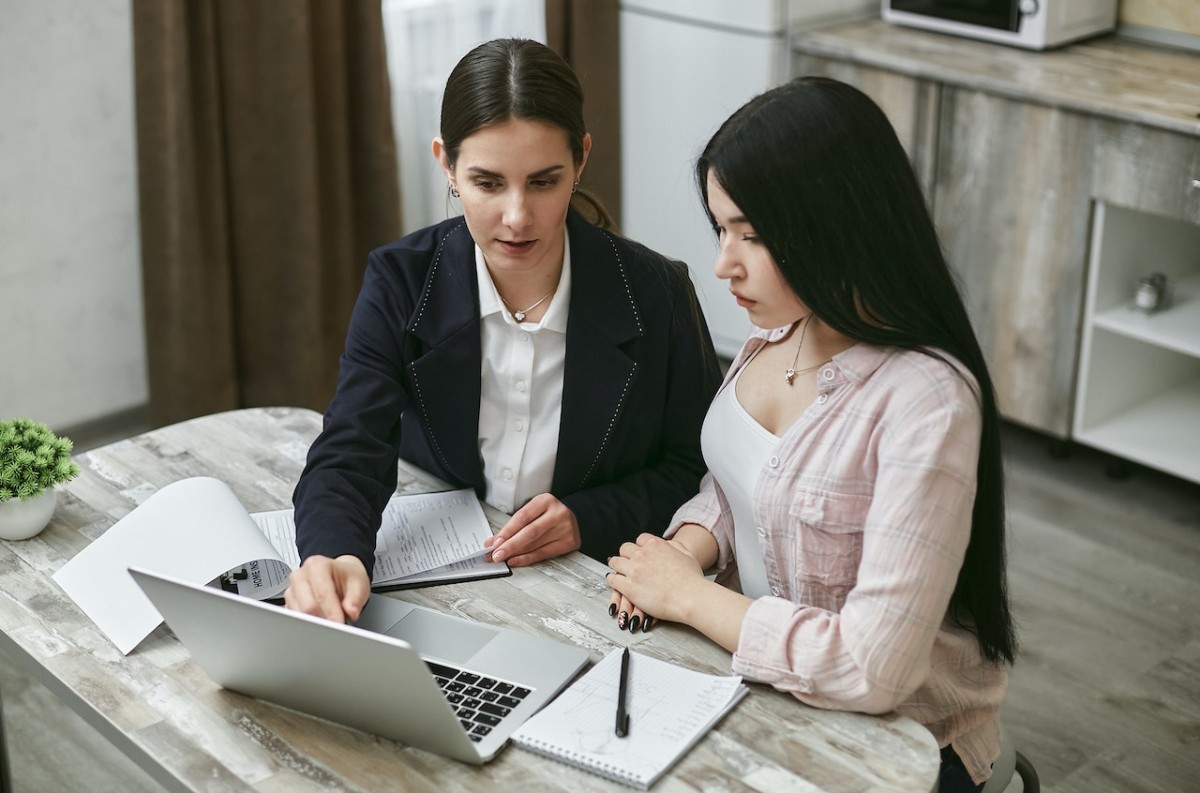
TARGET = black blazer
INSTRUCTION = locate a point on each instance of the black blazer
(640, 372)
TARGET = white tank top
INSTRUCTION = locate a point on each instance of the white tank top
(735, 448)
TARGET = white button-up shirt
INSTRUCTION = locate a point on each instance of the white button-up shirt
(520, 401)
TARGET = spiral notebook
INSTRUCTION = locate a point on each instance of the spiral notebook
(670, 709)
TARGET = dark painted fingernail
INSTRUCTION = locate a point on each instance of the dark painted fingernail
(633, 623)
(646, 624)
(622, 618)
(612, 609)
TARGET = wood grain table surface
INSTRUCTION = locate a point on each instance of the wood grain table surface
(160, 709)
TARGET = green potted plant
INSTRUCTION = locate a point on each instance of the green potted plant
(32, 461)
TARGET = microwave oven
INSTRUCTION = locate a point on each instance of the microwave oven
(1032, 24)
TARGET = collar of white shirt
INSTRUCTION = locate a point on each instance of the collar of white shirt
(555, 317)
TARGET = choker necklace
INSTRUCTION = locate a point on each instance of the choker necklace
(790, 374)
(519, 316)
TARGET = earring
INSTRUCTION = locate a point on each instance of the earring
(453, 190)
(575, 186)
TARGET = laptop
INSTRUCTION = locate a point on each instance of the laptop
(412, 674)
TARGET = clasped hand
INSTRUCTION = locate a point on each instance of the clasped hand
(651, 579)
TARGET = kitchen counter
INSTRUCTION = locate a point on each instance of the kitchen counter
(1106, 76)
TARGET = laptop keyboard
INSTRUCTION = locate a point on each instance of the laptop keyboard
(480, 702)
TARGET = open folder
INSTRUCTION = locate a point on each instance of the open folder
(198, 531)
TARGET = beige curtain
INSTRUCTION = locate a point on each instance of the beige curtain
(267, 171)
(586, 33)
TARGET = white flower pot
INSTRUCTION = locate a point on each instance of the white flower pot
(20, 520)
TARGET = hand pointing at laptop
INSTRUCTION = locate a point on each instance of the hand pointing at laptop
(336, 589)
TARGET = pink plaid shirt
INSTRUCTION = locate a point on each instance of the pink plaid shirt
(864, 513)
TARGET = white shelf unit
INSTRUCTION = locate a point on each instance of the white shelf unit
(1138, 395)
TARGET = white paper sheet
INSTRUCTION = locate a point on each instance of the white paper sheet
(194, 529)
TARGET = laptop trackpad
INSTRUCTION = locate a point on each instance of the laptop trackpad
(449, 639)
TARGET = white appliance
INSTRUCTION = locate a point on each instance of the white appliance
(1032, 24)
(686, 65)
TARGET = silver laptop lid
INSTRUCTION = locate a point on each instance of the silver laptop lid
(367, 680)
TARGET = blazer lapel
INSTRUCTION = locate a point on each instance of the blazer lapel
(445, 379)
(599, 374)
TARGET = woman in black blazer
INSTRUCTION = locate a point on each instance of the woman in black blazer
(437, 359)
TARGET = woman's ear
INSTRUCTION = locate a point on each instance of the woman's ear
(439, 154)
(587, 149)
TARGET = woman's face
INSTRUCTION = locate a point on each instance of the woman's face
(515, 181)
(743, 260)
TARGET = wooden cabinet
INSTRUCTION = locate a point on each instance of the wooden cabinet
(1011, 204)
(1138, 389)
(1151, 170)
(1026, 159)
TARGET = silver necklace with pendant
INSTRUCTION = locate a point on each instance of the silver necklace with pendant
(519, 315)
(790, 373)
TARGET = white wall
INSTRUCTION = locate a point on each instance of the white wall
(71, 329)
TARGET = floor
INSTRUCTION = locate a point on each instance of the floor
(1104, 576)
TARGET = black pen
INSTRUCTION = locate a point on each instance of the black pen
(622, 716)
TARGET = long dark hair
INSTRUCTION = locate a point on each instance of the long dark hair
(817, 170)
(507, 79)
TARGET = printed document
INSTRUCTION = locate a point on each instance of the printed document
(197, 530)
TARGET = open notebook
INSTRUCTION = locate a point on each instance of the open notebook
(670, 708)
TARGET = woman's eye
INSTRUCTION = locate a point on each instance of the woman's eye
(749, 238)
(544, 184)
(487, 185)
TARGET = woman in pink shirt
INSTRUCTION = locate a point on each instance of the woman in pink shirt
(854, 508)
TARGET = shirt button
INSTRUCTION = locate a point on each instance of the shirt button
(523, 336)
(822, 399)
(827, 374)
(521, 386)
(775, 591)
(518, 425)
(507, 473)
(773, 462)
